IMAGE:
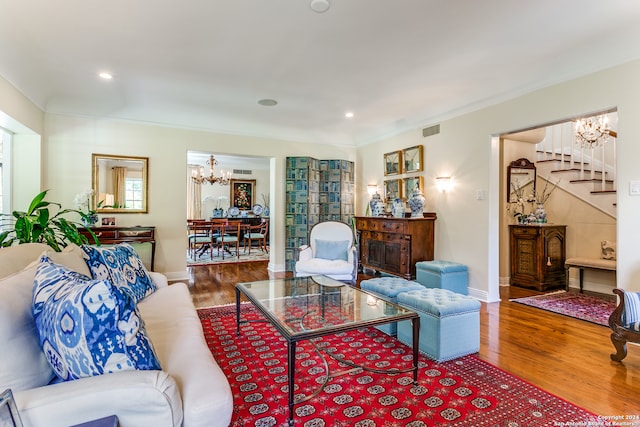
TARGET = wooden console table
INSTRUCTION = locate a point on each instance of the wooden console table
(111, 235)
(537, 256)
(394, 245)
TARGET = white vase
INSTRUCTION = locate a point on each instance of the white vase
(397, 208)
(541, 213)
(416, 203)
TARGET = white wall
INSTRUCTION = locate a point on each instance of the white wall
(70, 141)
(466, 228)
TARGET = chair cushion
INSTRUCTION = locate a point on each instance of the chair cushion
(332, 249)
(324, 266)
(631, 307)
(633, 326)
(121, 265)
(227, 239)
(88, 327)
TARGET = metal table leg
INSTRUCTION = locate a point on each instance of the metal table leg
(415, 322)
(291, 368)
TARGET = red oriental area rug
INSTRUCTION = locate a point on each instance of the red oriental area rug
(462, 392)
(573, 304)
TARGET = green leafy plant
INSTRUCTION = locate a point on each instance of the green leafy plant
(39, 225)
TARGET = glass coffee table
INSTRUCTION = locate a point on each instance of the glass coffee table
(304, 308)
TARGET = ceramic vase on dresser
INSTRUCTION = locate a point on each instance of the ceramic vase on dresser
(377, 205)
(397, 208)
(416, 203)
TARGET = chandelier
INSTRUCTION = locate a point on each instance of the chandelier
(199, 178)
(592, 132)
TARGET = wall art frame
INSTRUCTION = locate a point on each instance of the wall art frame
(412, 158)
(393, 163)
(242, 193)
(393, 189)
(410, 185)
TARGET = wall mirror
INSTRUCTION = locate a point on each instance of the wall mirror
(412, 158)
(521, 178)
(393, 163)
(410, 185)
(393, 189)
(120, 183)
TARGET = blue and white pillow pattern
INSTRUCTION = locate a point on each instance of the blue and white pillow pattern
(631, 307)
(122, 266)
(88, 327)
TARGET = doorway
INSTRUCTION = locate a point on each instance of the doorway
(581, 199)
(241, 196)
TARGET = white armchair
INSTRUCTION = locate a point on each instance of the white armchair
(331, 251)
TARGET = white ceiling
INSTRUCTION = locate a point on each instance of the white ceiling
(397, 64)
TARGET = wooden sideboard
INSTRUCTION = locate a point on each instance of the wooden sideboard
(111, 235)
(394, 245)
(537, 256)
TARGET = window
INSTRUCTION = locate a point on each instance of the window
(133, 193)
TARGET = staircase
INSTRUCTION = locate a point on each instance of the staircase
(588, 174)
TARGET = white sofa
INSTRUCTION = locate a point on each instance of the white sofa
(190, 390)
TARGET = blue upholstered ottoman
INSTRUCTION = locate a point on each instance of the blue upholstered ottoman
(444, 275)
(449, 323)
(388, 288)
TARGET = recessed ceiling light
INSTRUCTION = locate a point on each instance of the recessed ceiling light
(106, 76)
(320, 6)
(268, 102)
(349, 114)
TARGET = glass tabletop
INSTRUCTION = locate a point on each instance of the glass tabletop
(307, 307)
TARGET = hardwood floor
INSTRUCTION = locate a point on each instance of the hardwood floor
(564, 356)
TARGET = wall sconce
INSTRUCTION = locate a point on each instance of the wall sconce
(372, 189)
(443, 183)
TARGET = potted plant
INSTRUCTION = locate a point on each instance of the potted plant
(39, 225)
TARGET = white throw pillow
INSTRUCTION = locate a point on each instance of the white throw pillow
(23, 365)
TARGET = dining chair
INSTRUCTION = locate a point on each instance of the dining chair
(199, 237)
(228, 233)
(260, 233)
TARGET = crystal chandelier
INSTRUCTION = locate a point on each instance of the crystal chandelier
(199, 178)
(592, 132)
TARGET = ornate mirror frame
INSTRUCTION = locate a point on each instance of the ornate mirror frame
(393, 189)
(131, 171)
(520, 173)
(393, 163)
(412, 158)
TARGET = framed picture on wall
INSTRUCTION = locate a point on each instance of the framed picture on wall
(242, 193)
(412, 158)
(9, 416)
(393, 163)
(393, 189)
(410, 185)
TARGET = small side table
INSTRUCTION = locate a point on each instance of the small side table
(110, 421)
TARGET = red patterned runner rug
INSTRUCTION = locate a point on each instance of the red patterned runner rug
(573, 304)
(462, 392)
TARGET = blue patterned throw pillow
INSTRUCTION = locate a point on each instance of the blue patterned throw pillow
(631, 307)
(88, 327)
(122, 266)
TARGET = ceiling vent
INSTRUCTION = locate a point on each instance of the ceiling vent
(242, 172)
(431, 130)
